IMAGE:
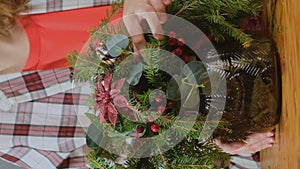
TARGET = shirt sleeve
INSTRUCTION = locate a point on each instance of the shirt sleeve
(44, 122)
(44, 6)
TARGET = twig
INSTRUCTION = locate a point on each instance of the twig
(185, 8)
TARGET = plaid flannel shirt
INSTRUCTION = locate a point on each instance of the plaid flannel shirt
(42, 119)
(43, 6)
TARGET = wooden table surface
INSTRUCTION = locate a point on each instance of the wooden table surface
(286, 30)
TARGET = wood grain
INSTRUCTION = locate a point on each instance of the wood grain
(285, 154)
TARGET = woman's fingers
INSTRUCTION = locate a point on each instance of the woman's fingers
(135, 30)
(160, 9)
(154, 23)
(229, 148)
(152, 11)
(255, 142)
(259, 138)
(259, 141)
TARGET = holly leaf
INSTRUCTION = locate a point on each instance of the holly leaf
(116, 44)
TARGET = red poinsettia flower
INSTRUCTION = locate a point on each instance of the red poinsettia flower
(107, 97)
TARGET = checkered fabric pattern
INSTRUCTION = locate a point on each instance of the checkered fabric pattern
(42, 121)
(43, 6)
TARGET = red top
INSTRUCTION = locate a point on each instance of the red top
(53, 35)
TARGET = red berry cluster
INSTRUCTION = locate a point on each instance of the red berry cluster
(161, 108)
(161, 105)
(177, 44)
(154, 128)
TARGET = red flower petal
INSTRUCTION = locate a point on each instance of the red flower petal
(112, 113)
(114, 92)
(120, 101)
(103, 112)
(118, 84)
(107, 81)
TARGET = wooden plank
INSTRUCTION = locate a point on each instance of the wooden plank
(286, 152)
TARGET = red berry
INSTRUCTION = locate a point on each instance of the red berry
(154, 127)
(185, 58)
(172, 41)
(150, 120)
(172, 34)
(158, 99)
(139, 129)
(173, 53)
(178, 51)
(210, 37)
(169, 104)
(161, 109)
(180, 42)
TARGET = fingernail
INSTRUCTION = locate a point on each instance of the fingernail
(270, 140)
(269, 134)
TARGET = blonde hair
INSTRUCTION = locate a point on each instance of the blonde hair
(9, 9)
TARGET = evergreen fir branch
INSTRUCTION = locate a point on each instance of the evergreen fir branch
(183, 9)
(97, 162)
(144, 98)
(72, 58)
(162, 156)
(116, 9)
(197, 11)
(228, 28)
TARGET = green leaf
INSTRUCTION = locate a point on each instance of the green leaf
(93, 118)
(211, 81)
(194, 71)
(116, 44)
(118, 134)
(135, 73)
(192, 99)
(132, 72)
(94, 136)
(173, 90)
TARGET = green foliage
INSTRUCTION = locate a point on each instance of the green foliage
(98, 162)
(88, 64)
(218, 18)
(185, 155)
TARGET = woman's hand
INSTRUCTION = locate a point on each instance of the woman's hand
(254, 143)
(151, 11)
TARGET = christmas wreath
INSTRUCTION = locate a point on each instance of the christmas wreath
(163, 107)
